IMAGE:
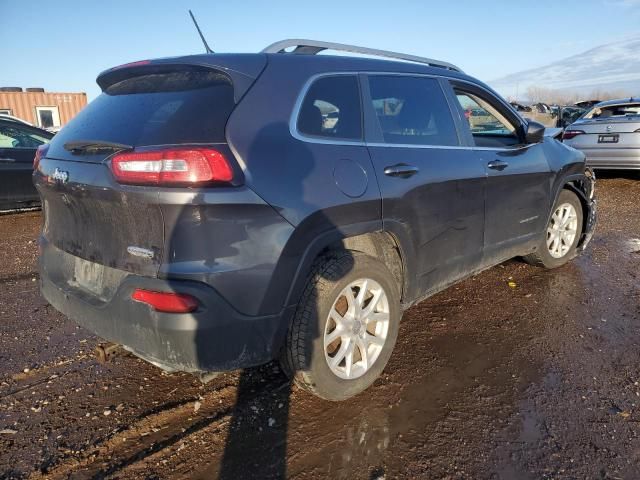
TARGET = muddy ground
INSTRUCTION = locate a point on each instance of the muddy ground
(488, 381)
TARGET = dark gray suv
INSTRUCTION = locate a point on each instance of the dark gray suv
(218, 211)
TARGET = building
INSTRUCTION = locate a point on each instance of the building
(50, 110)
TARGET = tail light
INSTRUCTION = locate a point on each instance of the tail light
(40, 153)
(569, 134)
(172, 167)
(165, 301)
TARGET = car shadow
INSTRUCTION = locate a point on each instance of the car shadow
(257, 431)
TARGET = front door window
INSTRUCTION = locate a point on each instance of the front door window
(489, 127)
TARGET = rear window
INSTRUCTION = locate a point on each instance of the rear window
(624, 110)
(187, 106)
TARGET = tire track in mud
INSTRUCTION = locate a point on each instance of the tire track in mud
(156, 431)
(39, 372)
(148, 435)
(18, 277)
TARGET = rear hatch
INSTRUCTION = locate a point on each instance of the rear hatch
(88, 215)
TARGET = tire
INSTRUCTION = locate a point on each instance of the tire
(306, 355)
(552, 256)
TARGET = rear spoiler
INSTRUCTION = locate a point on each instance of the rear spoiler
(242, 69)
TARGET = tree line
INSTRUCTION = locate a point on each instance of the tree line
(551, 96)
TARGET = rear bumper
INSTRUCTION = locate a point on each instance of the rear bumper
(614, 158)
(213, 338)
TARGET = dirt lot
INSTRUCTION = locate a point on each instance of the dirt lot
(488, 380)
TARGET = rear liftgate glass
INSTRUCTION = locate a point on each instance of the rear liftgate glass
(157, 127)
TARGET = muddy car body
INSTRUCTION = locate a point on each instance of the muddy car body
(395, 200)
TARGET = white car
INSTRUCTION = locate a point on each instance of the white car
(608, 134)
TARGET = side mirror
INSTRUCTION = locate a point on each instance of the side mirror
(534, 132)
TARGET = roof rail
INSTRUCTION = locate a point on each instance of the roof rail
(312, 47)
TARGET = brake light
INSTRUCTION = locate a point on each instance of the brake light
(171, 167)
(41, 152)
(569, 134)
(165, 301)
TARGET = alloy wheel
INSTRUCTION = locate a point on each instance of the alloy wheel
(562, 230)
(356, 329)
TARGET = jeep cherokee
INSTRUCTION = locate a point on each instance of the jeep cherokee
(218, 211)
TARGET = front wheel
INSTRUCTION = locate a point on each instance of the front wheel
(344, 328)
(560, 239)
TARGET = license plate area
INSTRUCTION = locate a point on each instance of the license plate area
(88, 276)
(608, 138)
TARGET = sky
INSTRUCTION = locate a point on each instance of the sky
(62, 45)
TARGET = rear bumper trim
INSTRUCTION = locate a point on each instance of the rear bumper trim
(213, 338)
(622, 158)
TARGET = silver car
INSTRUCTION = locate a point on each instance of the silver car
(608, 134)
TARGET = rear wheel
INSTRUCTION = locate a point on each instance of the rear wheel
(345, 327)
(560, 239)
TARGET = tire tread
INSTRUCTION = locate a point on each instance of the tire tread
(324, 271)
(536, 258)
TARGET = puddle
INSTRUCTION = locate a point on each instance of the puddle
(382, 430)
(633, 245)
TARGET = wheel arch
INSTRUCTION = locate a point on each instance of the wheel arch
(579, 184)
(367, 238)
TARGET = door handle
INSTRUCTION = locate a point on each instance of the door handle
(7, 160)
(401, 170)
(497, 165)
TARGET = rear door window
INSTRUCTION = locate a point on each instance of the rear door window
(171, 107)
(412, 110)
(331, 109)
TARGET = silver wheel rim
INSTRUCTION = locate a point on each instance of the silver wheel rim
(562, 230)
(357, 328)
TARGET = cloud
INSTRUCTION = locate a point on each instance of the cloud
(614, 65)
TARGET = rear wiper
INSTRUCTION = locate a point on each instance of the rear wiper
(91, 146)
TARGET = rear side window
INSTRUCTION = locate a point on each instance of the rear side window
(412, 110)
(173, 107)
(331, 109)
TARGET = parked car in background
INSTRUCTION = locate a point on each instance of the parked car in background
(204, 213)
(18, 145)
(566, 115)
(586, 103)
(11, 118)
(538, 112)
(519, 107)
(608, 134)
